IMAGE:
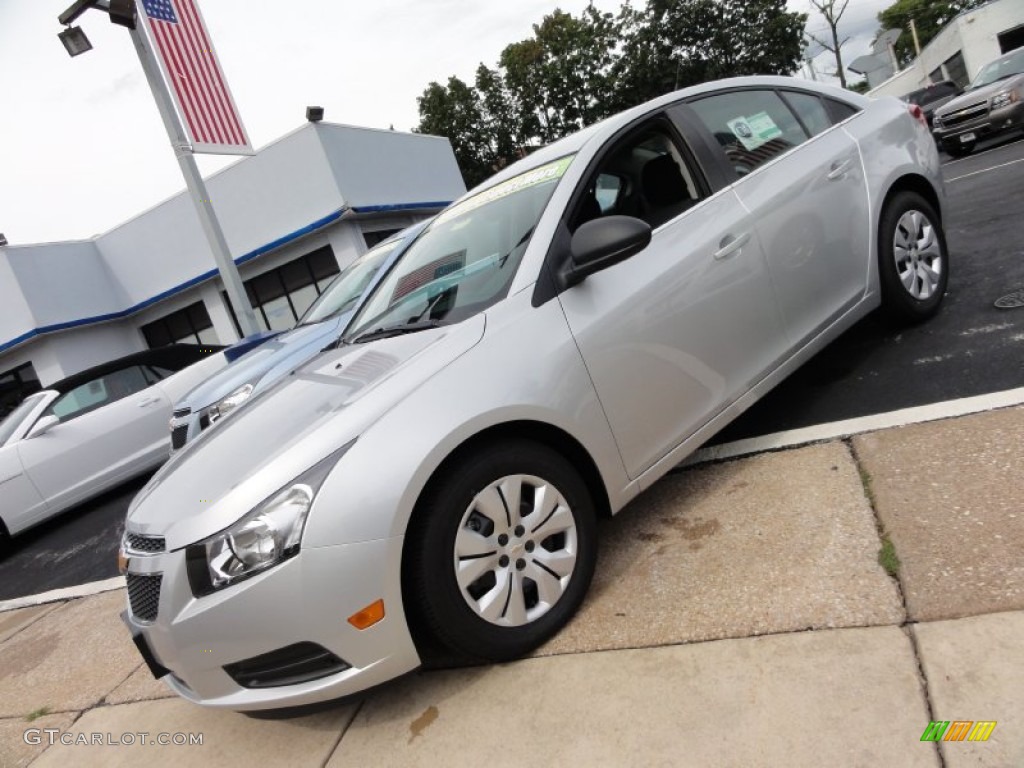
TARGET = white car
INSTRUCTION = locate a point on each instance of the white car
(91, 431)
(546, 349)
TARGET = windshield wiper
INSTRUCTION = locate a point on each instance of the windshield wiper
(396, 330)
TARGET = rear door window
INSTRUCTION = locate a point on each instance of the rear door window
(810, 110)
(752, 127)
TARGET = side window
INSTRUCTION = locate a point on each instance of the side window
(99, 392)
(840, 110)
(753, 127)
(82, 399)
(645, 176)
(810, 110)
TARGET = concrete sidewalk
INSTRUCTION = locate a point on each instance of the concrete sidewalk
(740, 616)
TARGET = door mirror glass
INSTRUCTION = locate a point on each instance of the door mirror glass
(603, 242)
(41, 427)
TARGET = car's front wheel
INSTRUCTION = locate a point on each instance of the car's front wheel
(501, 551)
(913, 262)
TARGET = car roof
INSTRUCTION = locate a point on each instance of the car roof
(174, 357)
(605, 128)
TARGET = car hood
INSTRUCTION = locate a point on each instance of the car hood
(967, 98)
(287, 429)
(301, 342)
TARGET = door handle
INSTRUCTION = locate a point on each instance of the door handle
(730, 245)
(148, 402)
(838, 170)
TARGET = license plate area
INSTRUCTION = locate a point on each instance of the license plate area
(967, 137)
(155, 668)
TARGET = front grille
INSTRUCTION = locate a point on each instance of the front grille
(179, 436)
(964, 115)
(293, 664)
(149, 544)
(181, 413)
(144, 595)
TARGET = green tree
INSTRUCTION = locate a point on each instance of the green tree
(672, 44)
(576, 70)
(929, 16)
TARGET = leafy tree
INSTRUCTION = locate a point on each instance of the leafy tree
(929, 16)
(672, 44)
(576, 70)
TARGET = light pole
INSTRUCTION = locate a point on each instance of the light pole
(123, 12)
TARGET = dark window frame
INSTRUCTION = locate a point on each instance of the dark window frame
(156, 331)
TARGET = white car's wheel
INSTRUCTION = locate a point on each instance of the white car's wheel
(913, 261)
(502, 551)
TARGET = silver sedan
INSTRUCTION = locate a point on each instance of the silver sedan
(544, 351)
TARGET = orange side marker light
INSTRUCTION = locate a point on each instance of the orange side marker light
(368, 616)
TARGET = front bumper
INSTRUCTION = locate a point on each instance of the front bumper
(306, 599)
(186, 425)
(985, 124)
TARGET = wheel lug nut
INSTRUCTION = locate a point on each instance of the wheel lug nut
(520, 530)
(529, 546)
(503, 561)
(520, 564)
(502, 540)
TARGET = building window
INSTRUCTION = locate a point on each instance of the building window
(15, 385)
(372, 238)
(191, 325)
(956, 69)
(281, 296)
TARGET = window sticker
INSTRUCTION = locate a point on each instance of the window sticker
(755, 130)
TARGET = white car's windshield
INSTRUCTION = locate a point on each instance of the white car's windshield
(343, 293)
(10, 424)
(464, 261)
(1000, 69)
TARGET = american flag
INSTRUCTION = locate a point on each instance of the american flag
(190, 65)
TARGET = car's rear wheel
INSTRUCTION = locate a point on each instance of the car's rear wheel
(913, 261)
(501, 551)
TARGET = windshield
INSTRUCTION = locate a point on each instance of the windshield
(465, 260)
(1000, 69)
(344, 291)
(10, 425)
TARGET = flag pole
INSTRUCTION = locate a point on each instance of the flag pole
(196, 188)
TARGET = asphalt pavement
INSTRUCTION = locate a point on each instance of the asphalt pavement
(970, 348)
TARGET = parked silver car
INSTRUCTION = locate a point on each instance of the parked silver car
(551, 345)
(993, 104)
(321, 324)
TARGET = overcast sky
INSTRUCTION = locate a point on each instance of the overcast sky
(83, 148)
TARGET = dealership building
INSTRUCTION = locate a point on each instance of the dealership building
(960, 50)
(293, 214)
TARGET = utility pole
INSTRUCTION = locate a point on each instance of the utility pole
(913, 33)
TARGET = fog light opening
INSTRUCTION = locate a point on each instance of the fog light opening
(368, 616)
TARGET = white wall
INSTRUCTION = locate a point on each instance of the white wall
(375, 167)
(974, 34)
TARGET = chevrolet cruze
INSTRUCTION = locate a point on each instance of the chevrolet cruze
(545, 350)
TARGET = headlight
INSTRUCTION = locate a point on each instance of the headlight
(229, 403)
(268, 535)
(1005, 98)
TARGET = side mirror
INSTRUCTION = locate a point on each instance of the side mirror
(601, 243)
(44, 425)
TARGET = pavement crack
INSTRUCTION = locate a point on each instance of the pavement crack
(890, 562)
(344, 730)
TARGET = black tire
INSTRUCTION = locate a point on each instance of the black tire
(436, 602)
(902, 304)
